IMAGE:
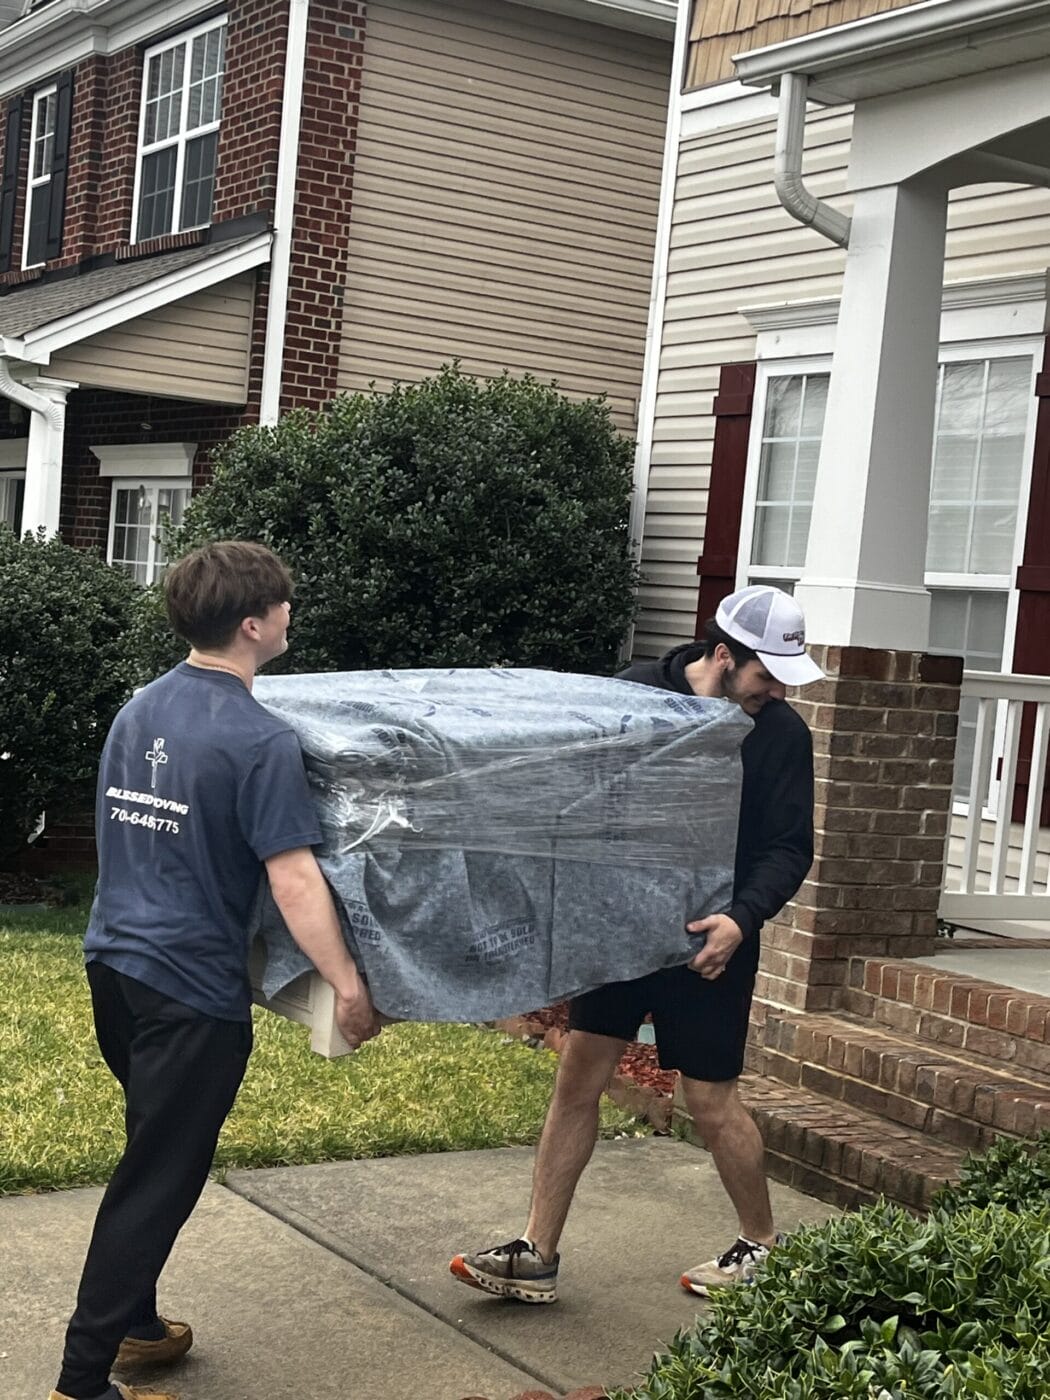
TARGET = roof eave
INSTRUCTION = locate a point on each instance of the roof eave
(37, 346)
(835, 60)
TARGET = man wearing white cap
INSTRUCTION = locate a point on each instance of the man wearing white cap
(751, 651)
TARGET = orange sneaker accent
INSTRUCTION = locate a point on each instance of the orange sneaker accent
(459, 1268)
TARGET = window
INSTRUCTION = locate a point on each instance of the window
(981, 446)
(179, 132)
(41, 169)
(12, 492)
(139, 514)
(787, 472)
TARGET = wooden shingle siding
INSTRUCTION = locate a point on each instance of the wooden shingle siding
(196, 349)
(506, 190)
(722, 28)
(732, 245)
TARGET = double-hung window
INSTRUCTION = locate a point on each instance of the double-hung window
(179, 132)
(982, 444)
(41, 169)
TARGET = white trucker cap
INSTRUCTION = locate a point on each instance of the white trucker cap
(770, 622)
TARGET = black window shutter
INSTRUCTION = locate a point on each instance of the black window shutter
(59, 163)
(9, 185)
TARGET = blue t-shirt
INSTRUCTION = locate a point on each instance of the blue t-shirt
(198, 785)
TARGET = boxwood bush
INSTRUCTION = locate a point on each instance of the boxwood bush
(450, 522)
(881, 1305)
(65, 669)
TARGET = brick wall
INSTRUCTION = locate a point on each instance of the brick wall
(85, 187)
(98, 416)
(107, 95)
(883, 727)
(328, 144)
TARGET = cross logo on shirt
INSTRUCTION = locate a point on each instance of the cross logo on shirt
(156, 756)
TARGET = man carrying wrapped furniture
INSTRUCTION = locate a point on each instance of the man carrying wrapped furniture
(752, 651)
(200, 789)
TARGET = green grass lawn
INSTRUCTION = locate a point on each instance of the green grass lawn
(417, 1088)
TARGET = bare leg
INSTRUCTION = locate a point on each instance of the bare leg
(569, 1134)
(736, 1145)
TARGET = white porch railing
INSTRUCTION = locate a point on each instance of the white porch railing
(997, 868)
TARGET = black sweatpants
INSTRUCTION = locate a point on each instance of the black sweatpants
(180, 1072)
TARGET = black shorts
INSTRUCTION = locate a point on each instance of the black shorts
(701, 1026)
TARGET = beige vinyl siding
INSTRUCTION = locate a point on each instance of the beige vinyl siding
(732, 245)
(506, 190)
(722, 28)
(196, 348)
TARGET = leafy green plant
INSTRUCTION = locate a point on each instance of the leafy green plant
(1013, 1173)
(65, 669)
(449, 522)
(879, 1305)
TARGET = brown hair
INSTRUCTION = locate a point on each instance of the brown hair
(213, 589)
(714, 636)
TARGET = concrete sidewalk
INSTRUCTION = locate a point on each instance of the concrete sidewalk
(332, 1283)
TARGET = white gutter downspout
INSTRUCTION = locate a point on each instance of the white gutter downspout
(792, 192)
(284, 207)
(47, 429)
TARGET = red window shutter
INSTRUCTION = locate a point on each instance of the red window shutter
(1032, 638)
(725, 496)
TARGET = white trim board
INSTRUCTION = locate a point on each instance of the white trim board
(982, 309)
(722, 105)
(657, 299)
(38, 346)
(146, 460)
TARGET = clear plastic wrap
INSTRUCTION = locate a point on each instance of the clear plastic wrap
(498, 839)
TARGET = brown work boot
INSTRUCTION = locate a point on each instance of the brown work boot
(176, 1342)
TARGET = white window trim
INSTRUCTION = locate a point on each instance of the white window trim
(39, 98)
(185, 38)
(144, 483)
(767, 370)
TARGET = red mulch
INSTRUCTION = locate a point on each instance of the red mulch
(639, 1061)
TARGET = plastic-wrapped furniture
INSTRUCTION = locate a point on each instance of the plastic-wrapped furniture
(501, 839)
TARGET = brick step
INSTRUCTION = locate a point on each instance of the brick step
(953, 1011)
(836, 1152)
(954, 1096)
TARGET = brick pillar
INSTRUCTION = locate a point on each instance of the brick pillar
(883, 725)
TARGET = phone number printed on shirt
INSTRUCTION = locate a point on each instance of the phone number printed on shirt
(147, 819)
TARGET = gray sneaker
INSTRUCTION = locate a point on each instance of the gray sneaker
(737, 1265)
(514, 1270)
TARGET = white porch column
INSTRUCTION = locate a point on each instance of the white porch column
(46, 400)
(863, 580)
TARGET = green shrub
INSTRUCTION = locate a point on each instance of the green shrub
(1012, 1173)
(449, 522)
(65, 670)
(879, 1305)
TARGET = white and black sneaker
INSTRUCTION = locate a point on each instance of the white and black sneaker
(513, 1270)
(737, 1265)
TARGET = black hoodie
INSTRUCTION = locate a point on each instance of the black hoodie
(774, 847)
